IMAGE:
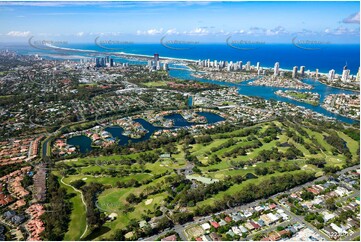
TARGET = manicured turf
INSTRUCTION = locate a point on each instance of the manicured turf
(238, 187)
(77, 222)
(155, 84)
(113, 199)
(352, 144)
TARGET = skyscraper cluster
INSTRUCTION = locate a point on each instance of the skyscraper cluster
(230, 65)
(104, 62)
(156, 65)
(346, 75)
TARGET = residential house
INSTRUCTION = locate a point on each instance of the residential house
(274, 236)
(330, 232)
(243, 229)
(170, 238)
(215, 237)
(206, 237)
(222, 222)
(205, 226)
(215, 224)
(236, 230)
(255, 225)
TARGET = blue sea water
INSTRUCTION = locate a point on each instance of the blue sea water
(288, 55)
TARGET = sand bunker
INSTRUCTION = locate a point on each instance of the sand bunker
(113, 215)
(149, 201)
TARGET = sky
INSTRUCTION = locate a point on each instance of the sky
(274, 22)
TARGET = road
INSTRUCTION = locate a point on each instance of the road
(270, 228)
(180, 228)
(301, 220)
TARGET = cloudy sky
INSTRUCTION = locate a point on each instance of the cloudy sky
(278, 22)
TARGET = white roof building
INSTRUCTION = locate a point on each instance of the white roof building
(327, 216)
(341, 191)
(339, 230)
(272, 217)
(243, 229)
(236, 230)
(206, 226)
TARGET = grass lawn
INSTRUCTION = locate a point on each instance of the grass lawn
(77, 222)
(113, 199)
(352, 144)
(201, 150)
(105, 180)
(155, 84)
(235, 188)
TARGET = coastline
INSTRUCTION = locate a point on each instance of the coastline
(188, 61)
(161, 57)
(123, 54)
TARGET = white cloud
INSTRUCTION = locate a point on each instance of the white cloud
(172, 31)
(154, 31)
(18, 33)
(80, 34)
(258, 31)
(150, 32)
(198, 31)
(342, 31)
(352, 19)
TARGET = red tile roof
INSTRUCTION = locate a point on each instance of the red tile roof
(215, 224)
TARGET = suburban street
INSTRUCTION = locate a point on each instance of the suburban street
(181, 228)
